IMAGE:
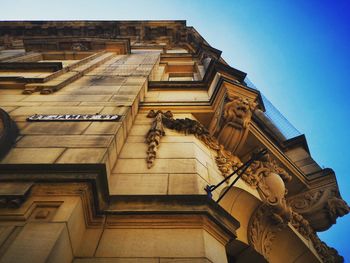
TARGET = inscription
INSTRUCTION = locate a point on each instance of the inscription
(74, 117)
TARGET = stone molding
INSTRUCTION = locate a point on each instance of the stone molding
(120, 46)
(190, 211)
(12, 195)
(83, 190)
(85, 180)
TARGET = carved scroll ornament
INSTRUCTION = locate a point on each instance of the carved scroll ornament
(321, 207)
(262, 232)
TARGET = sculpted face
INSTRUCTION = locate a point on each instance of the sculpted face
(238, 110)
(242, 107)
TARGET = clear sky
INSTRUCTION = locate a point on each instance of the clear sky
(296, 52)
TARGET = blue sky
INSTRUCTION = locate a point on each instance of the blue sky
(296, 52)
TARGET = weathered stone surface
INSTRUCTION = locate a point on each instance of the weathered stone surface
(184, 260)
(56, 110)
(103, 128)
(181, 184)
(103, 82)
(89, 243)
(166, 150)
(115, 110)
(116, 260)
(32, 155)
(154, 243)
(138, 184)
(13, 188)
(76, 141)
(71, 97)
(160, 166)
(40, 242)
(63, 128)
(82, 155)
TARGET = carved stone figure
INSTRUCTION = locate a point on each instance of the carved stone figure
(237, 114)
(337, 207)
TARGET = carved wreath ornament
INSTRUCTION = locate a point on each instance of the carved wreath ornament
(265, 175)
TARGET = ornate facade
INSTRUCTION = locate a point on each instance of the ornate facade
(110, 132)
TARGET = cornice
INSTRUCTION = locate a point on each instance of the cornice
(321, 179)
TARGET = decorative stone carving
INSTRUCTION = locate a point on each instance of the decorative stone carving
(336, 207)
(269, 179)
(237, 115)
(263, 168)
(225, 160)
(266, 176)
(321, 207)
(262, 230)
(154, 135)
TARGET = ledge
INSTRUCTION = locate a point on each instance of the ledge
(94, 174)
(174, 205)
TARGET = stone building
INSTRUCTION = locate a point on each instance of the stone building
(110, 131)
